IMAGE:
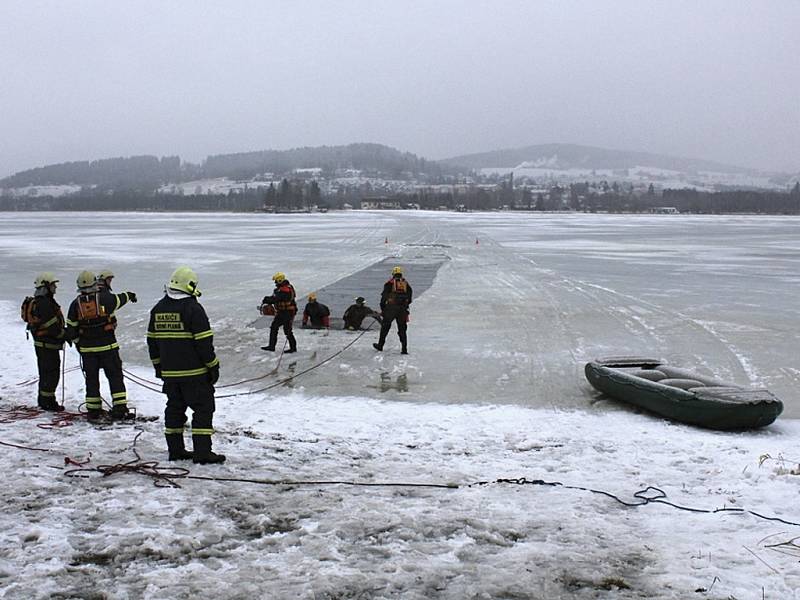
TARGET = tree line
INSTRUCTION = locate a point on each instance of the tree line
(302, 194)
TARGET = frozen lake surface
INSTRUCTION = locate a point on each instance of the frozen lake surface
(493, 389)
(510, 319)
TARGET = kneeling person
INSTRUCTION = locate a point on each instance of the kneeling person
(316, 313)
(181, 346)
(356, 313)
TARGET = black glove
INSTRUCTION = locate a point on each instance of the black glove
(132, 297)
(213, 374)
(158, 372)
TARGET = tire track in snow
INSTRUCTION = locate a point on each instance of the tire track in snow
(703, 327)
(636, 318)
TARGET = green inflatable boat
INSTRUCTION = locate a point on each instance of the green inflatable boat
(682, 395)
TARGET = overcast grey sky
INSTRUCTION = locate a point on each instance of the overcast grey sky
(715, 79)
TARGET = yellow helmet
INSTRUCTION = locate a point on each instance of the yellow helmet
(184, 279)
(312, 297)
(45, 278)
(105, 274)
(86, 281)
(397, 271)
(279, 277)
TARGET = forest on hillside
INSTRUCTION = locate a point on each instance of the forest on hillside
(149, 172)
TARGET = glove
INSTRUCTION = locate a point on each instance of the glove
(213, 374)
(158, 372)
(132, 297)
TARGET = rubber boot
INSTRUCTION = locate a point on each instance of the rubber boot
(120, 412)
(95, 415)
(176, 448)
(381, 339)
(202, 451)
(273, 339)
(50, 404)
(403, 343)
(292, 344)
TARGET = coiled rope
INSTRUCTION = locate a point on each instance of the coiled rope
(162, 476)
(24, 413)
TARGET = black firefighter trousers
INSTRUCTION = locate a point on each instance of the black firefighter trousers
(398, 314)
(111, 364)
(283, 319)
(195, 393)
(49, 362)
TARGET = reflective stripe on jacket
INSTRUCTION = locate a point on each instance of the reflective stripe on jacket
(180, 340)
(91, 320)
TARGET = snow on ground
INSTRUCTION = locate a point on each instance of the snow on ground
(492, 389)
(44, 190)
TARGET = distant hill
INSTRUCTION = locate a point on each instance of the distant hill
(151, 171)
(363, 157)
(134, 171)
(572, 156)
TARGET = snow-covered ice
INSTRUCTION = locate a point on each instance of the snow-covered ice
(492, 389)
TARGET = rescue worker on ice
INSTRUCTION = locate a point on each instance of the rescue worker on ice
(104, 278)
(91, 322)
(395, 301)
(46, 323)
(283, 299)
(356, 313)
(181, 346)
(317, 313)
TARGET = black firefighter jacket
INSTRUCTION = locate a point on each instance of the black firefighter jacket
(180, 340)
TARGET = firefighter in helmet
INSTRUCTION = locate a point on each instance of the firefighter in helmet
(316, 313)
(104, 278)
(91, 322)
(356, 313)
(283, 299)
(181, 346)
(45, 321)
(395, 302)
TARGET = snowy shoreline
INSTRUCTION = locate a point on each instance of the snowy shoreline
(122, 536)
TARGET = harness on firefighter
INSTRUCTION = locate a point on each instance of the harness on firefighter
(92, 316)
(399, 293)
(286, 304)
